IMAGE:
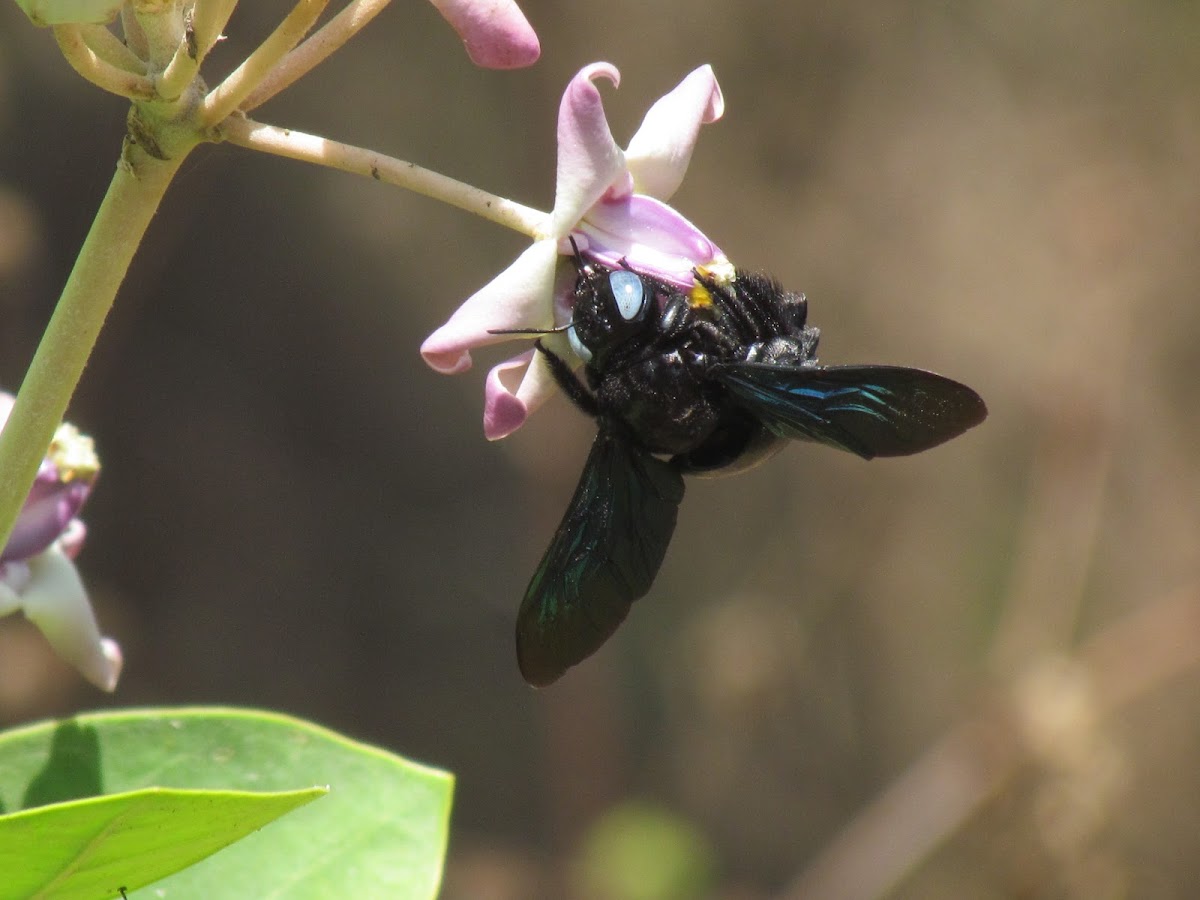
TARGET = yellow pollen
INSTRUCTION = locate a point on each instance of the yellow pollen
(699, 296)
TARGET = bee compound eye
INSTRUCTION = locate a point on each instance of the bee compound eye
(581, 349)
(629, 293)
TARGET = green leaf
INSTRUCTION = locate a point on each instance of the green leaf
(64, 12)
(381, 831)
(90, 848)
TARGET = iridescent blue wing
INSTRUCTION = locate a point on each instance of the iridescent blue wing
(604, 556)
(867, 410)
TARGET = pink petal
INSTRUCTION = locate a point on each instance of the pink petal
(503, 412)
(589, 160)
(650, 235)
(519, 297)
(496, 33)
(49, 508)
(57, 603)
(505, 409)
(659, 153)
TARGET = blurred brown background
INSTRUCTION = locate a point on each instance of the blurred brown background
(296, 513)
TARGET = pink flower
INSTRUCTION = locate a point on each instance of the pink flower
(495, 32)
(611, 202)
(37, 575)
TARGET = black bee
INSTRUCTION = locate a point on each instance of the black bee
(679, 384)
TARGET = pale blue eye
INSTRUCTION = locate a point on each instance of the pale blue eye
(578, 346)
(628, 291)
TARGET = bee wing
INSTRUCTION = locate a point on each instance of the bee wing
(604, 555)
(868, 410)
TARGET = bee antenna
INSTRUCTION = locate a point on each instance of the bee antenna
(580, 262)
(530, 330)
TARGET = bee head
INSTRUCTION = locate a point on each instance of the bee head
(610, 306)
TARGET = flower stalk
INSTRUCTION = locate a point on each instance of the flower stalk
(160, 32)
(315, 49)
(400, 173)
(111, 49)
(133, 196)
(229, 95)
(99, 71)
(209, 18)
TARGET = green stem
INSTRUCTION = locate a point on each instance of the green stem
(133, 196)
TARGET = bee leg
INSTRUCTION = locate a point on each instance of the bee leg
(793, 350)
(676, 318)
(718, 336)
(741, 318)
(566, 379)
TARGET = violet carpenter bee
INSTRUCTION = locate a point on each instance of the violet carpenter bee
(708, 381)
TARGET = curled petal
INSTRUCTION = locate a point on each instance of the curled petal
(516, 298)
(56, 602)
(651, 236)
(503, 411)
(659, 153)
(496, 33)
(589, 160)
(50, 508)
(506, 409)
